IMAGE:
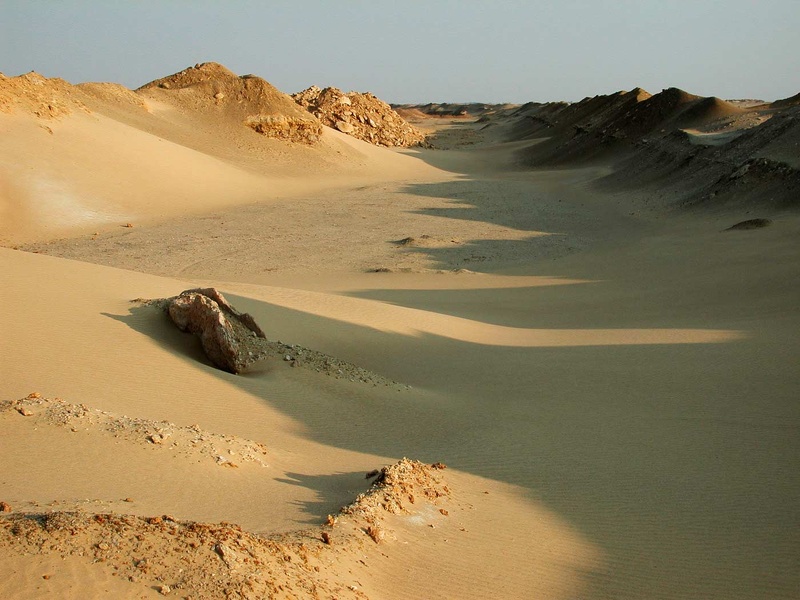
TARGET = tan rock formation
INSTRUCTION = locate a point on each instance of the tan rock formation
(361, 115)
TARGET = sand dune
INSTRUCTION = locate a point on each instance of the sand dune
(105, 156)
(609, 379)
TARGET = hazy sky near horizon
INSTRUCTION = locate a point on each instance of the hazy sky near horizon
(420, 51)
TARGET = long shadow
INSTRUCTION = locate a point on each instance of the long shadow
(336, 489)
(616, 439)
(538, 217)
(643, 448)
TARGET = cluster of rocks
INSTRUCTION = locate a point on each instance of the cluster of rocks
(361, 115)
(281, 127)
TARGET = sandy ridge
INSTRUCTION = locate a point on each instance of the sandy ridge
(225, 450)
(206, 561)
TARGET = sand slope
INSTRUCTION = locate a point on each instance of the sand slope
(103, 156)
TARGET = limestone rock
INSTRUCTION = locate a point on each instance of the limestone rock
(345, 127)
(220, 327)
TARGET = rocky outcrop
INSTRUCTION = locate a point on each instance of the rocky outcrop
(361, 115)
(223, 331)
(40, 96)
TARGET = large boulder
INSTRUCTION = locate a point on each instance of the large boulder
(223, 331)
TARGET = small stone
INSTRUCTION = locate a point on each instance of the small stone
(128, 499)
(326, 537)
(344, 127)
(287, 358)
(5, 507)
(164, 590)
(46, 576)
(24, 411)
(376, 533)
(219, 95)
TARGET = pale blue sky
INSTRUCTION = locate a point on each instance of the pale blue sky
(421, 51)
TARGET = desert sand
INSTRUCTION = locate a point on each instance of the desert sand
(548, 301)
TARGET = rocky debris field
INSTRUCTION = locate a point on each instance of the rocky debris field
(361, 115)
(204, 561)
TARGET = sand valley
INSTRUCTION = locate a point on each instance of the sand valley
(543, 351)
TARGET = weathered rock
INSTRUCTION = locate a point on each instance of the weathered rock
(205, 313)
(344, 127)
(234, 341)
(245, 319)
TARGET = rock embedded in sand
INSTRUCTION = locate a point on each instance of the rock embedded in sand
(5, 507)
(376, 533)
(253, 346)
(345, 127)
(202, 316)
(221, 328)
